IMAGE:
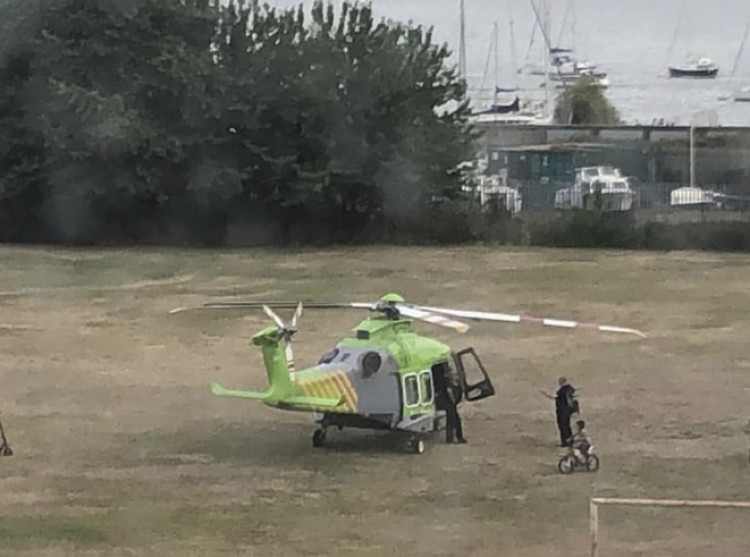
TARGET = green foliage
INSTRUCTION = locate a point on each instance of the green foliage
(590, 229)
(584, 103)
(137, 120)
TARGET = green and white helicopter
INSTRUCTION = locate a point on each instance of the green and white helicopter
(383, 375)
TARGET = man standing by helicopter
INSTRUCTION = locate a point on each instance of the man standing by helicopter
(450, 394)
(566, 405)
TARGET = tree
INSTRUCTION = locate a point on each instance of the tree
(116, 96)
(585, 103)
(120, 118)
(339, 118)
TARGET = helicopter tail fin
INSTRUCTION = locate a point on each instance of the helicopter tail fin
(280, 385)
(276, 364)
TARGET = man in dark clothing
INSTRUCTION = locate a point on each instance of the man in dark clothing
(449, 395)
(566, 405)
(454, 432)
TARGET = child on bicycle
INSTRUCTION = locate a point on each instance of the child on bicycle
(581, 440)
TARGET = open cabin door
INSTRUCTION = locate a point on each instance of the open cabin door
(474, 379)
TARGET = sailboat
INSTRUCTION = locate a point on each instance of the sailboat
(512, 111)
(563, 67)
(697, 68)
(700, 67)
(498, 107)
(743, 95)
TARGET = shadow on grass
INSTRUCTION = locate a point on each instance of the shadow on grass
(283, 445)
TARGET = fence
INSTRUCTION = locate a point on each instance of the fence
(669, 202)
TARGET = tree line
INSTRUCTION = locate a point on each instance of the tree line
(191, 121)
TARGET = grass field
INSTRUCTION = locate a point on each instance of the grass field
(122, 450)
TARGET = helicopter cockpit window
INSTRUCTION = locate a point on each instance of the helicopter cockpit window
(411, 390)
(425, 378)
(329, 357)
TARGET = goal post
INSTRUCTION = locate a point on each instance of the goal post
(596, 502)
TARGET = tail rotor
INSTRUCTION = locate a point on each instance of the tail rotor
(286, 331)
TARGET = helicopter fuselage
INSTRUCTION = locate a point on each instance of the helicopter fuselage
(381, 376)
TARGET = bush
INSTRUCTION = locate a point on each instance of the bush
(591, 229)
(584, 103)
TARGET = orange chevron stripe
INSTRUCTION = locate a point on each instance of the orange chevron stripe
(312, 389)
(350, 391)
(321, 389)
(351, 386)
(306, 388)
(333, 385)
(341, 384)
(329, 388)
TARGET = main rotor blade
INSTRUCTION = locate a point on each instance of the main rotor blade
(297, 315)
(283, 305)
(276, 319)
(433, 318)
(549, 322)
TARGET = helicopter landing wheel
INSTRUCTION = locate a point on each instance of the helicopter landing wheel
(319, 438)
(416, 445)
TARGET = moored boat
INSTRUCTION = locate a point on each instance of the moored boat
(703, 68)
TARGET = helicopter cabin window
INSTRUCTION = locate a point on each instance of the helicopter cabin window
(411, 390)
(425, 380)
(328, 357)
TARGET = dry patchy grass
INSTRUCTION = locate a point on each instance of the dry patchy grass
(121, 449)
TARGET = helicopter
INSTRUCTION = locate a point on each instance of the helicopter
(381, 376)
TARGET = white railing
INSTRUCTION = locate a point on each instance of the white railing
(597, 501)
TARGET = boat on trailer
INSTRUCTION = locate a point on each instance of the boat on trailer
(603, 182)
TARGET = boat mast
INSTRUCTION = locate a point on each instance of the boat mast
(676, 30)
(740, 50)
(497, 64)
(547, 21)
(462, 45)
(561, 35)
(573, 26)
(542, 14)
(513, 54)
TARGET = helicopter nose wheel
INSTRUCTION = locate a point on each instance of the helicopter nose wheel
(319, 438)
(416, 444)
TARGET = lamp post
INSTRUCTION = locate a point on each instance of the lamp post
(692, 153)
(712, 120)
